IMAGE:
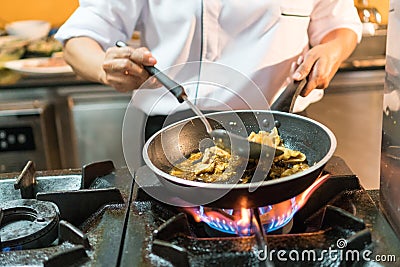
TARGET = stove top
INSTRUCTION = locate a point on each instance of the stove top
(90, 208)
(98, 216)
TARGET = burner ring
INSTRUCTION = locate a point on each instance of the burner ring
(28, 223)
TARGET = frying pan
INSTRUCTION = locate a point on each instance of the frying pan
(167, 146)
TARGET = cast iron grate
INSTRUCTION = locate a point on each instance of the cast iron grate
(70, 215)
(326, 219)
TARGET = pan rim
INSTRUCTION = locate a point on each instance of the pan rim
(249, 186)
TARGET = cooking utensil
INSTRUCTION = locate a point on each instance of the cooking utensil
(167, 146)
(233, 143)
(285, 102)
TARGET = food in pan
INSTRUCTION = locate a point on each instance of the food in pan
(215, 165)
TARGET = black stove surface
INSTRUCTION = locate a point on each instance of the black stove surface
(107, 220)
(92, 209)
(339, 218)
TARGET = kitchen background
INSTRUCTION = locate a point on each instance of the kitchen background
(107, 219)
(352, 106)
(57, 11)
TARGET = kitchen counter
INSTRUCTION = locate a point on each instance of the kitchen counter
(58, 118)
(13, 80)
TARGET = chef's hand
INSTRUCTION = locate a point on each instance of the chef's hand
(123, 67)
(319, 65)
(322, 61)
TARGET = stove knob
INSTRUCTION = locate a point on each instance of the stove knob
(11, 139)
(3, 144)
(21, 138)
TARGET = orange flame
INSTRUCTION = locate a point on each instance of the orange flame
(202, 214)
(240, 222)
(303, 197)
(244, 222)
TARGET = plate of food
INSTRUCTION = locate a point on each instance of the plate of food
(40, 66)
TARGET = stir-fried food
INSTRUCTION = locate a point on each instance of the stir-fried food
(288, 163)
(217, 165)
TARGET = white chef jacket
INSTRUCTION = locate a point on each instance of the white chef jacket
(240, 52)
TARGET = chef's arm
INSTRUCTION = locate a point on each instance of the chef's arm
(121, 68)
(322, 61)
(86, 58)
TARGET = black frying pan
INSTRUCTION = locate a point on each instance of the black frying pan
(165, 147)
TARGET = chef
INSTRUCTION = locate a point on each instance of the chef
(239, 52)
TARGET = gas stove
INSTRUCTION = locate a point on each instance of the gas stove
(99, 216)
(64, 217)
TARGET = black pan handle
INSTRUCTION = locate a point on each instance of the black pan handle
(175, 88)
(285, 102)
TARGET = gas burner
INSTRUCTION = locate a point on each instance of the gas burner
(278, 218)
(27, 224)
(222, 228)
(229, 222)
(274, 218)
(176, 242)
(64, 217)
(106, 219)
(339, 212)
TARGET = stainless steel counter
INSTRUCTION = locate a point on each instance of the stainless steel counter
(352, 109)
(357, 79)
(61, 126)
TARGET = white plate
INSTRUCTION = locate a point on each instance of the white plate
(39, 66)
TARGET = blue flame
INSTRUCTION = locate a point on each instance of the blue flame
(228, 226)
(8, 249)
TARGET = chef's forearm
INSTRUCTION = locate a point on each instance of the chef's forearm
(86, 58)
(345, 41)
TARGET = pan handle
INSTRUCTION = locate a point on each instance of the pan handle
(285, 101)
(175, 88)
